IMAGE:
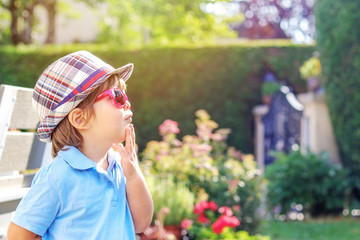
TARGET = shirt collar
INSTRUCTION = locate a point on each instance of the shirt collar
(76, 159)
(113, 157)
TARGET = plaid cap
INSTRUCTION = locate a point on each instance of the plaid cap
(65, 83)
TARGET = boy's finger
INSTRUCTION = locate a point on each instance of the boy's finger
(128, 140)
(132, 130)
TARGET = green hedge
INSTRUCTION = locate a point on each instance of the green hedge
(174, 82)
(338, 42)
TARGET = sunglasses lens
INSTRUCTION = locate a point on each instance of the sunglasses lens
(119, 97)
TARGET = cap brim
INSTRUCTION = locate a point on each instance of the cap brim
(124, 72)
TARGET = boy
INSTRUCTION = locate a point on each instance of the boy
(85, 113)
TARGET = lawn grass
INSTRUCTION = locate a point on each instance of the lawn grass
(320, 229)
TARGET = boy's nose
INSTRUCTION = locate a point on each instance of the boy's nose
(127, 105)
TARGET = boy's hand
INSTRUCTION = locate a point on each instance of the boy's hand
(129, 160)
(138, 195)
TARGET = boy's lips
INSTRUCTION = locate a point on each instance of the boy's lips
(129, 118)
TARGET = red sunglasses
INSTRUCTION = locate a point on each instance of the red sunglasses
(119, 97)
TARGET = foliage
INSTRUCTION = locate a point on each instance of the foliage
(311, 68)
(338, 43)
(161, 22)
(207, 166)
(306, 179)
(175, 196)
(4, 28)
(225, 80)
(269, 88)
(215, 223)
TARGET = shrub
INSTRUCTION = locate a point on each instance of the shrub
(306, 179)
(338, 37)
(208, 167)
(175, 196)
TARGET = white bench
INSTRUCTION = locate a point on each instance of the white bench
(21, 153)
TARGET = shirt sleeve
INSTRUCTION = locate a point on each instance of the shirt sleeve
(38, 209)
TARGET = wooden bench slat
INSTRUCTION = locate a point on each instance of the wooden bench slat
(16, 108)
(16, 152)
(24, 115)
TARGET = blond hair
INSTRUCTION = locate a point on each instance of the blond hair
(65, 134)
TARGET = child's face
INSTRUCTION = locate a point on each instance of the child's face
(110, 119)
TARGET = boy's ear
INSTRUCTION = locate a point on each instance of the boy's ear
(77, 118)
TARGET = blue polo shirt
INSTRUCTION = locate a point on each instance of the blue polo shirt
(72, 198)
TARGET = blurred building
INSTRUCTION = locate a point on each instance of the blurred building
(79, 23)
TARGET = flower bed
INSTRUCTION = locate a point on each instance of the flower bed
(212, 171)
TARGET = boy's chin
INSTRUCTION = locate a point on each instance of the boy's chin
(122, 138)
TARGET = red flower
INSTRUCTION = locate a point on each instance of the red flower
(186, 223)
(203, 219)
(224, 221)
(226, 211)
(203, 205)
(199, 208)
(212, 205)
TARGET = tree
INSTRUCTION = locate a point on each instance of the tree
(50, 6)
(161, 21)
(277, 19)
(23, 19)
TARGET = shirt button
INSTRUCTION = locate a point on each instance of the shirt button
(110, 185)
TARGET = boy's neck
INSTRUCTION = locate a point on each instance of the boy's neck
(96, 153)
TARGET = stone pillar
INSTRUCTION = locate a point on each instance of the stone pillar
(316, 128)
(259, 112)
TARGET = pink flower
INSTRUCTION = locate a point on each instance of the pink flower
(237, 208)
(203, 219)
(168, 126)
(233, 183)
(204, 132)
(201, 148)
(233, 153)
(226, 211)
(177, 142)
(224, 221)
(186, 223)
(221, 134)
